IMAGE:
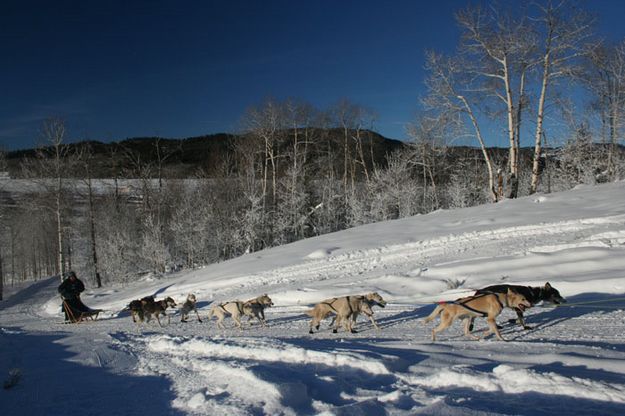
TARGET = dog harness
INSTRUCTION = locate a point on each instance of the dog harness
(349, 305)
(482, 313)
(239, 307)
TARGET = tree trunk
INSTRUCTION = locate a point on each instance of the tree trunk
(513, 158)
(94, 253)
(1, 276)
(487, 159)
(539, 126)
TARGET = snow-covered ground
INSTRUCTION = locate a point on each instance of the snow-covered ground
(572, 362)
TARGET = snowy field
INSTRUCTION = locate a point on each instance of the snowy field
(571, 363)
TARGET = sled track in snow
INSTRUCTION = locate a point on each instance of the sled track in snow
(395, 258)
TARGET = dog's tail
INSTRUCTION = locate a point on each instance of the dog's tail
(434, 314)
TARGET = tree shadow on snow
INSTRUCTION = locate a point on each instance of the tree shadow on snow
(52, 384)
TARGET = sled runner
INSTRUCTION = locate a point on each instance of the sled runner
(78, 312)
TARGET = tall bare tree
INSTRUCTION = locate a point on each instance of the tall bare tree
(53, 132)
(564, 31)
(498, 45)
(606, 80)
(447, 95)
(85, 158)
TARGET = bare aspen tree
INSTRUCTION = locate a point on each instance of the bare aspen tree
(1, 274)
(428, 145)
(446, 95)
(498, 47)
(53, 131)
(2, 170)
(564, 31)
(606, 80)
(344, 112)
(85, 159)
(266, 123)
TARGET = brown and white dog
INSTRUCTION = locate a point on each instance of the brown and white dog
(487, 305)
(235, 309)
(533, 294)
(258, 305)
(152, 308)
(346, 308)
(373, 299)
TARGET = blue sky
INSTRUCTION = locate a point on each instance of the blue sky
(118, 69)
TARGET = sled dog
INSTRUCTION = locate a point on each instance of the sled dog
(189, 306)
(257, 308)
(372, 299)
(346, 308)
(546, 293)
(157, 308)
(136, 308)
(487, 305)
(235, 309)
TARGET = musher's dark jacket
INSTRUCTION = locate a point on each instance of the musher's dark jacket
(71, 289)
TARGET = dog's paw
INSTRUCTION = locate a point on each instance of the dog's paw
(334, 331)
(527, 327)
(311, 332)
(199, 320)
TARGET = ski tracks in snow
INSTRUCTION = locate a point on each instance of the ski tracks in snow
(413, 258)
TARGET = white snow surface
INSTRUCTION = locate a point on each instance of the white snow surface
(572, 362)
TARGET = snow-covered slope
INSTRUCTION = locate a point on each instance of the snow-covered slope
(571, 363)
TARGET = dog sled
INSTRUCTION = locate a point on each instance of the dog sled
(76, 311)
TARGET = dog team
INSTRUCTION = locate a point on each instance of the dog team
(487, 303)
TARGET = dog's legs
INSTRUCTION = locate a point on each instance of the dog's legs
(471, 322)
(353, 321)
(375, 325)
(467, 328)
(261, 319)
(198, 315)
(338, 321)
(446, 321)
(220, 319)
(493, 328)
(521, 320)
(349, 324)
(237, 321)
(314, 322)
